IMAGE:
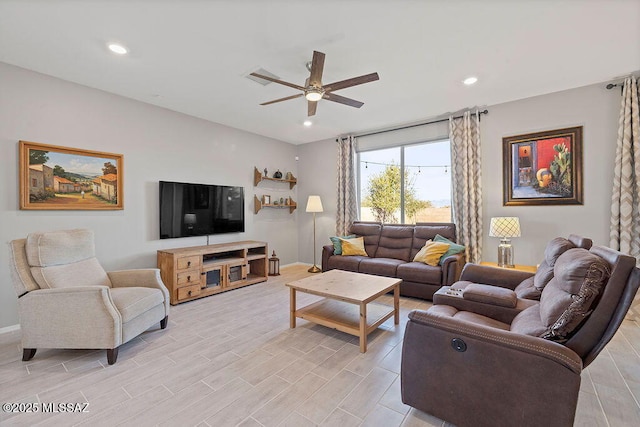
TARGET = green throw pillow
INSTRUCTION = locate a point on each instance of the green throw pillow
(337, 244)
(454, 248)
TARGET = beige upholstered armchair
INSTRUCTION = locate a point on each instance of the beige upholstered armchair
(67, 300)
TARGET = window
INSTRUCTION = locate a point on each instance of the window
(424, 195)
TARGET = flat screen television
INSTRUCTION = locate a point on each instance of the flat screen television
(200, 209)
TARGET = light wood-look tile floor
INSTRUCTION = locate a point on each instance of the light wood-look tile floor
(231, 359)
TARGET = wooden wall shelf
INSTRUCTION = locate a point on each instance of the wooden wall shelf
(258, 177)
(257, 205)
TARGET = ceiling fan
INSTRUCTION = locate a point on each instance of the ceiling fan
(313, 89)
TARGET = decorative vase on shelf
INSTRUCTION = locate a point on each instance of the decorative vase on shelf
(289, 176)
(277, 174)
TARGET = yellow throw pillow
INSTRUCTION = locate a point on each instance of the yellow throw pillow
(431, 252)
(353, 246)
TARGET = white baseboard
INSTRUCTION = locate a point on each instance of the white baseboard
(295, 263)
(9, 329)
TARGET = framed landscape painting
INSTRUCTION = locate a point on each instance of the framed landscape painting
(543, 168)
(63, 178)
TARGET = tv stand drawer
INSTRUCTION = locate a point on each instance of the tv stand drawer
(190, 277)
(189, 262)
(188, 292)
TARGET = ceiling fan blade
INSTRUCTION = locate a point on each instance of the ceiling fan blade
(277, 81)
(342, 100)
(317, 65)
(351, 82)
(311, 108)
(283, 99)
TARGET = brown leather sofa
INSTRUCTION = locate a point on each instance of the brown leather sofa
(472, 369)
(391, 249)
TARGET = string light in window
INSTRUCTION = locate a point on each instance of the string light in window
(366, 166)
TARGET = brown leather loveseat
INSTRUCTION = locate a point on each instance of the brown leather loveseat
(390, 251)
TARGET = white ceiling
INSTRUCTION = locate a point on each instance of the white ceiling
(193, 56)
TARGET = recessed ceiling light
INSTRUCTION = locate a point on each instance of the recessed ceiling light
(470, 80)
(307, 123)
(118, 48)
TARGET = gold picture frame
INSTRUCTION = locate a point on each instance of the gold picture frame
(543, 168)
(64, 178)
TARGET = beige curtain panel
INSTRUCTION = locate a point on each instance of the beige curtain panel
(464, 134)
(625, 200)
(347, 209)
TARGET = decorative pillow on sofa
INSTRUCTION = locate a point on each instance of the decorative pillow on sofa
(454, 248)
(353, 246)
(568, 298)
(431, 252)
(337, 244)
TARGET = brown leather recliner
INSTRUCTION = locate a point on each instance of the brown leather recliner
(479, 282)
(474, 370)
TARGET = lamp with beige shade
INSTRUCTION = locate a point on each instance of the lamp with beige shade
(505, 227)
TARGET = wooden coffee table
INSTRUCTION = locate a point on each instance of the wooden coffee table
(346, 304)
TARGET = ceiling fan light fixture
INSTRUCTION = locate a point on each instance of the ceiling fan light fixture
(470, 80)
(118, 48)
(314, 94)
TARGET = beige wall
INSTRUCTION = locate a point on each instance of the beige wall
(593, 107)
(157, 144)
(317, 170)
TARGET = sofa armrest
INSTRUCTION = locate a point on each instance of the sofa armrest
(495, 276)
(487, 294)
(140, 277)
(452, 268)
(454, 297)
(327, 251)
(442, 318)
(74, 317)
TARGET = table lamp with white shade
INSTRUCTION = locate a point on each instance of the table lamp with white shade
(314, 204)
(505, 227)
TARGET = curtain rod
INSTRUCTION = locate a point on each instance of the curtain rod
(612, 85)
(412, 126)
(619, 84)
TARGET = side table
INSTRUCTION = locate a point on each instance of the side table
(527, 268)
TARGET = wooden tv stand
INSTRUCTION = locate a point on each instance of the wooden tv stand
(199, 271)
